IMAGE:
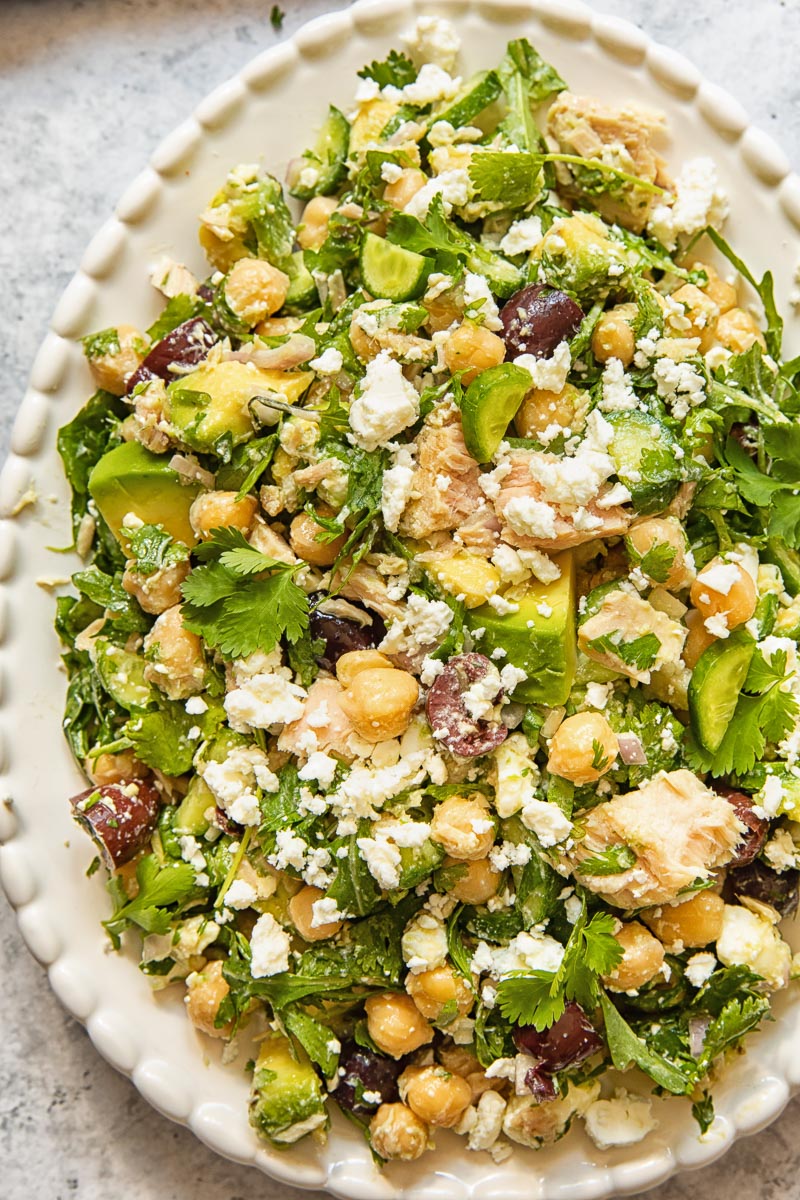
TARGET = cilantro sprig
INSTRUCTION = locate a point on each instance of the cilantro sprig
(160, 889)
(242, 600)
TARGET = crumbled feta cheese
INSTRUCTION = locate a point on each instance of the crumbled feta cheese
(509, 854)
(547, 821)
(698, 200)
(432, 84)
(437, 284)
(383, 860)
(391, 172)
(748, 939)
(234, 781)
(720, 577)
(541, 566)
(621, 1121)
(509, 564)
(264, 701)
(597, 694)
(434, 39)
(240, 895)
(618, 394)
(700, 967)
(477, 292)
(502, 606)
(195, 706)
(717, 625)
(424, 943)
(515, 775)
(192, 853)
(481, 696)
(531, 951)
(679, 385)
(387, 404)
(423, 625)
(454, 187)
(329, 362)
(325, 911)
(320, 766)
(549, 374)
(269, 947)
(530, 518)
(780, 851)
(522, 237)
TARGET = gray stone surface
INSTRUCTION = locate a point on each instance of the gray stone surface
(87, 89)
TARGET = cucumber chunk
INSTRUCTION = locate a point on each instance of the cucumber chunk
(644, 452)
(122, 675)
(490, 404)
(321, 169)
(302, 294)
(715, 686)
(391, 273)
(478, 93)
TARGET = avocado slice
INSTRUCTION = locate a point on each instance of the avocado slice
(286, 1099)
(542, 645)
(130, 479)
(213, 401)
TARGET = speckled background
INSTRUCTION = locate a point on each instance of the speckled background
(87, 89)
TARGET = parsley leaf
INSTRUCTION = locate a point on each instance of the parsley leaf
(276, 16)
(526, 80)
(611, 862)
(539, 998)
(396, 69)
(160, 887)
(97, 345)
(703, 1112)
(500, 175)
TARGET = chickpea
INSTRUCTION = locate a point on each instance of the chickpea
(395, 1024)
(473, 349)
(301, 911)
(541, 410)
(612, 336)
(738, 331)
(303, 534)
(255, 289)
(689, 924)
(583, 748)
(698, 638)
(355, 661)
(460, 1061)
(159, 591)
(701, 311)
(399, 193)
(659, 531)
(477, 883)
(379, 703)
(462, 825)
(176, 665)
(433, 990)
(116, 768)
(642, 958)
(112, 370)
(397, 1132)
(205, 991)
(221, 510)
(736, 605)
(278, 326)
(435, 1095)
(313, 230)
(722, 293)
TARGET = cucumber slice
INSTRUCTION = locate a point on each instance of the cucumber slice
(490, 404)
(502, 276)
(321, 169)
(302, 294)
(651, 481)
(787, 561)
(389, 272)
(480, 91)
(715, 686)
(122, 675)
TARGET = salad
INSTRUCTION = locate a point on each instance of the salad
(433, 663)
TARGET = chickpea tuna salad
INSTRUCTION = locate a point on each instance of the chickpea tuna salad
(434, 659)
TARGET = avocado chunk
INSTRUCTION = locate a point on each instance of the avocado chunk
(286, 1098)
(541, 643)
(130, 479)
(213, 402)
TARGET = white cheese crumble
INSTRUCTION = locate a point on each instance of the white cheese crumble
(522, 237)
(477, 292)
(547, 821)
(749, 940)
(269, 947)
(621, 1121)
(424, 943)
(320, 767)
(328, 363)
(240, 895)
(195, 706)
(549, 374)
(530, 518)
(264, 701)
(433, 83)
(424, 624)
(434, 39)
(388, 403)
(455, 188)
(618, 394)
(234, 782)
(325, 911)
(700, 967)
(698, 200)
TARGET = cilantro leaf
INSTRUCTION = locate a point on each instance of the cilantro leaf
(396, 70)
(160, 887)
(253, 616)
(153, 549)
(611, 862)
(640, 653)
(703, 1112)
(500, 175)
(160, 738)
(97, 345)
(539, 998)
(526, 80)
(657, 562)
(276, 16)
(627, 1047)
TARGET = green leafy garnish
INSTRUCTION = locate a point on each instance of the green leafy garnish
(657, 562)
(160, 889)
(611, 862)
(500, 175)
(276, 17)
(153, 549)
(640, 653)
(396, 70)
(97, 345)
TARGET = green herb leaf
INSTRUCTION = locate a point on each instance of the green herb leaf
(657, 562)
(97, 345)
(616, 859)
(153, 549)
(640, 653)
(500, 175)
(160, 889)
(396, 70)
(626, 1047)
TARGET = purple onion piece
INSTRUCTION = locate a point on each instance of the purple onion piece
(697, 1030)
(186, 346)
(120, 818)
(537, 319)
(450, 720)
(631, 750)
(568, 1041)
(756, 834)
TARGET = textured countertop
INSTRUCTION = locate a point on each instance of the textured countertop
(87, 89)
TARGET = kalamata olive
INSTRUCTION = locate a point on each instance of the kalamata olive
(187, 345)
(537, 319)
(341, 635)
(540, 1084)
(362, 1071)
(225, 823)
(755, 836)
(568, 1041)
(760, 882)
(451, 721)
(120, 818)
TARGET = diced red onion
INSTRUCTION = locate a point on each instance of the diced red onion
(698, 1028)
(631, 750)
(189, 468)
(296, 350)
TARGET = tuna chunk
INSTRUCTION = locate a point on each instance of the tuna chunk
(679, 830)
(323, 726)
(622, 137)
(445, 489)
(531, 1123)
(364, 583)
(625, 620)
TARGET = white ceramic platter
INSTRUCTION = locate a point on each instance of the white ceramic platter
(269, 112)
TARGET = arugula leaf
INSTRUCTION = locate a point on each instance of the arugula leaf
(153, 549)
(248, 463)
(640, 653)
(457, 950)
(353, 888)
(626, 1047)
(161, 739)
(703, 1112)
(314, 1037)
(526, 80)
(616, 859)
(107, 591)
(177, 310)
(160, 889)
(765, 290)
(539, 998)
(396, 70)
(500, 175)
